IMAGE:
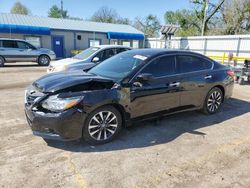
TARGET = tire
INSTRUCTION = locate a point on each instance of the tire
(241, 81)
(43, 60)
(96, 131)
(213, 101)
(248, 79)
(2, 61)
(237, 78)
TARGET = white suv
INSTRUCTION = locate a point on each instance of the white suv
(15, 50)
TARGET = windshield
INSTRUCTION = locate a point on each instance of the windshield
(86, 53)
(119, 66)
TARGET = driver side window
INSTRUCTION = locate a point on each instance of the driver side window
(160, 67)
(22, 45)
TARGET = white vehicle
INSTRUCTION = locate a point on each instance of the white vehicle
(87, 59)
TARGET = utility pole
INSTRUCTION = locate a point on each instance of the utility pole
(204, 19)
(62, 8)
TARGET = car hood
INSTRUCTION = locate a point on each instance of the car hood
(44, 49)
(59, 81)
(66, 61)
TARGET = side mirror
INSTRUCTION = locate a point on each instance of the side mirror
(95, 59)
(145, 77)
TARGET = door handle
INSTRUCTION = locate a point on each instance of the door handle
(174, 84)
(208, 77)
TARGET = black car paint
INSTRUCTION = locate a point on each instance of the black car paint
(158, 97)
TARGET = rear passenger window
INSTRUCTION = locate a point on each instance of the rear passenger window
(191, 63)
(9, 44)
(160, 67)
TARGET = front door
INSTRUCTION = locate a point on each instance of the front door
(159, 94)
(58, 46)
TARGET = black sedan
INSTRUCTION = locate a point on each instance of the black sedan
(134, 85)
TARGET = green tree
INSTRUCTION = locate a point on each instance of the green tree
(19, 8)
(189, 24)
(56, 12)
(150, 25)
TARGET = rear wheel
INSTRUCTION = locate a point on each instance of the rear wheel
(102, 125)
(2, 61)
(213, 101)
(43, 60)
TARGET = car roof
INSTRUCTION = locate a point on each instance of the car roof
(12, 39)
(112, 46)
(152, 52)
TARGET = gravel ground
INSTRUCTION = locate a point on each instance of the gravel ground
(183, 150)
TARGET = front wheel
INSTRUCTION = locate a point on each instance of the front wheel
(102, 125)
(213, 101)
(43, 60)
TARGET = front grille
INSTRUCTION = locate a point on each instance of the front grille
(31, 96)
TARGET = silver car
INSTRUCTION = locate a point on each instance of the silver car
(16, 50)
(87, 59)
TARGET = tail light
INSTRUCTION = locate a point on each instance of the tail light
(230, 73)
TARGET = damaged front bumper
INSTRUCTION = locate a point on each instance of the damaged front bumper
(65, 126)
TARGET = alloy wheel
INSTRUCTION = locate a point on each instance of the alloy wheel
(214, 101)
(103, 125)
(43, 60)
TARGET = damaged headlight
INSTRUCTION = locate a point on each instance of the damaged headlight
(53, 103)
(60, 68)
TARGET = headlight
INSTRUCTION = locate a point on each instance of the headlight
(53, 103)
(51, 52)
(60, 68)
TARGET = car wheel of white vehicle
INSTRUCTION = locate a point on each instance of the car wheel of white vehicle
(2, 61)
(43, 60)
(102, 125)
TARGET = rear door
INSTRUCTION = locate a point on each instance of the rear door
(160, 94)
(10, 50)
(196, 74)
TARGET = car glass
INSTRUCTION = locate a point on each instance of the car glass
(117, 67)
(163, 66)
(9, 44)
(188, 63)
(86, 53)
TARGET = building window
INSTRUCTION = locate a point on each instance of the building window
(35, 41)
(93, 43)
(79, 37)
(114, 42)
(126, 43)
(135, 44)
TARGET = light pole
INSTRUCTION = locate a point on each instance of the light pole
(62, 8)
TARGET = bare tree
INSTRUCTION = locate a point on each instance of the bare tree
(236, 16)
(149, 25)
(205, 10)
(105, 14)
